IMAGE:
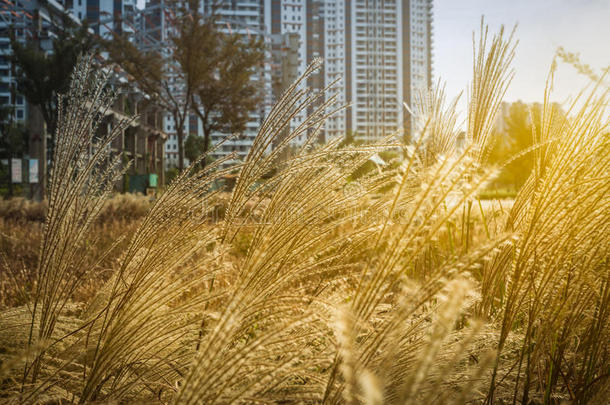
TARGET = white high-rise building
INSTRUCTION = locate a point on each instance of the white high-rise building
(336, 64)
(418, 40)
(375, 68)
(251, 19)
(381, 50)
(289, 18)
(26, 20)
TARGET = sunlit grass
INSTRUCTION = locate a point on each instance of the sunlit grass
(314, 285)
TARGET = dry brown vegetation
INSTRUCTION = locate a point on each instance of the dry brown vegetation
(310, 288)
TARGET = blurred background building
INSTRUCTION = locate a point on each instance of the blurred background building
(377, 54)
(39, 22)
(250, 19)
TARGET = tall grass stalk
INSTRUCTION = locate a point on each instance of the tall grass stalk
(82, 177)
(318, 285)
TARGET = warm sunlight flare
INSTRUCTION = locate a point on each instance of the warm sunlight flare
(203, 207)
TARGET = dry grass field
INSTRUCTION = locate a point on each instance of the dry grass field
(312, 287)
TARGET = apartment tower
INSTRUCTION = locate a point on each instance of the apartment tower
(378, 55)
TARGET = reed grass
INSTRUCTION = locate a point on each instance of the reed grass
(314, 287)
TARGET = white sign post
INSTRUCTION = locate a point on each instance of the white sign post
(16, 172)
(33, 170)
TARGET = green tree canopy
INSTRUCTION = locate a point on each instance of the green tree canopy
(155, 71)
(221, 73)
(43, 74)
(194, 147)
(201, 69)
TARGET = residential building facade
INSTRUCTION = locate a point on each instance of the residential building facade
(250, 19)
(378, 55)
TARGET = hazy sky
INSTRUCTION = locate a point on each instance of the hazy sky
(580, 26)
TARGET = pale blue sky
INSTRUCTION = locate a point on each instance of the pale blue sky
(580, 26)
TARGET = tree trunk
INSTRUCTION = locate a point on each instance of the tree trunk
(42, 175)
(10, 172)
(206, 143)
(180, 137)
(207, 130)
(48, 129)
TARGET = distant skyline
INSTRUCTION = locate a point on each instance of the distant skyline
(580, 26)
